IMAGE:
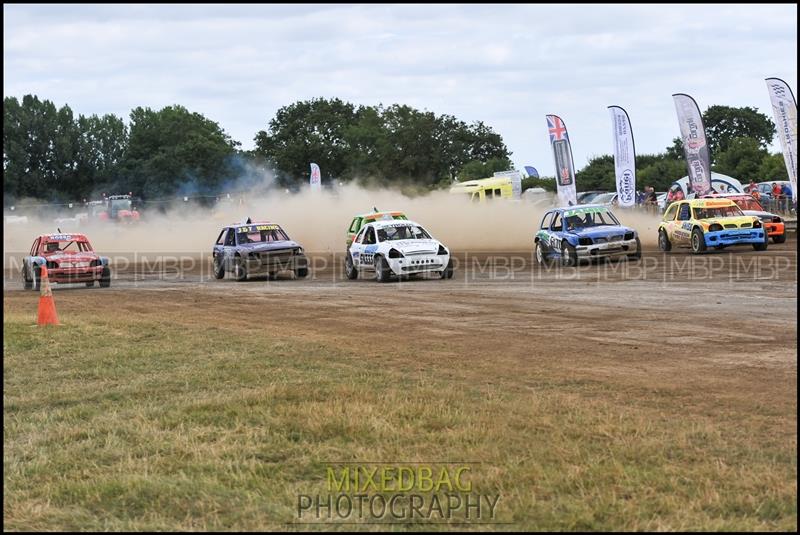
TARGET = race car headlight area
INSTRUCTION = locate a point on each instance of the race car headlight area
(441, 250)
(757, 223)
(299, 250)
(52, 265)
(584, 241)
(714, 227)
(394, 253)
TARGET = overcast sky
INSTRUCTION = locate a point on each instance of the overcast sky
(506, 65)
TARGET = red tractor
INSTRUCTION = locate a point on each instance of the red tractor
(118, 208)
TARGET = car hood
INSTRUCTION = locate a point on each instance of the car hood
(758, 213)
(600, 232)
(70, 257)
(269, 246)
(415, 246)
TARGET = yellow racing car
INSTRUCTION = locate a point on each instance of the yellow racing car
(703, 223)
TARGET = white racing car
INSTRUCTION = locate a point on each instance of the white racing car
(393, 247)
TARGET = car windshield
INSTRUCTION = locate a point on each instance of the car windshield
(260, 234)
(597, 217)
(748, 203)
(603, 198)
(716, 211)
(120, 204)
(67, 246)
(402, 232)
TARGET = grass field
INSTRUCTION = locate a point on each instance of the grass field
(158, 418)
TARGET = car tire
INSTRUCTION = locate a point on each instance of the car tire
(448, 271)
(541, 257)
(27, 283)
(300, 273)
(663, 241)
(779, 239)
(218, 267)
(569, 257)
(698, 241)
(105, 277)
(763, 245)
(37, 278)
(349, 269)
(638, 254)
(382, 271)
(239, 269)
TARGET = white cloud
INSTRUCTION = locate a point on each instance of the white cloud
(506, 65)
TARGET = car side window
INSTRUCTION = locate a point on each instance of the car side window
(369, 236)
(489, 194)
(546, 220)
(229, 238)
(355, 224)
(556, 222)
(671, 211)
(683, 213)
(221, 237)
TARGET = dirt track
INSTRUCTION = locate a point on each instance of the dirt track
(670, 317)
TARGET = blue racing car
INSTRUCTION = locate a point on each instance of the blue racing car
(257, 248)
(583, 232)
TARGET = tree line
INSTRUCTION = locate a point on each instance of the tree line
(49, 153)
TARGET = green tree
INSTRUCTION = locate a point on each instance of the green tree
(174, 151)
(477, 169)
(305, 132)
(741, 160)
(772, 168)
(597, 174)
(725, 124)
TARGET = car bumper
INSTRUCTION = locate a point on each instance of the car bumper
(775, 229)
(733, 237)
(68, 275)
(600, 250)
(267, 264)
(409, 265)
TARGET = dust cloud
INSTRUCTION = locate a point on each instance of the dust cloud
(318, 221)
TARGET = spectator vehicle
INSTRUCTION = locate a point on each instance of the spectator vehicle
(484, 189)
(606, 199)
(703, 223)
(585, 197)
(389, 247)
(583, 232)
(360, 220)
(773, 223)
(257, 248)
(69, 258)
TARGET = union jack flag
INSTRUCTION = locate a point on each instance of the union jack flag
(556, 128)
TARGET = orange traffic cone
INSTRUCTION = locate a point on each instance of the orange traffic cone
(47, 307)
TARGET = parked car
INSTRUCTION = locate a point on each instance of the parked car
(585, 197)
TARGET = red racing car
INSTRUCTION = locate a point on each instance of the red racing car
(69, 258)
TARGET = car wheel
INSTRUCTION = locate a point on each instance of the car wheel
(105, 277)
(779, 239)
(569, 257)
(349, 269)
(219, 267)
(300, 273)
(541, 257)
(37, 278)
(240, 269)
(638, 254)
(448, 271)
(698, 241)
(663, 241)
(763, 245)
(381, 269)
(26, 282)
